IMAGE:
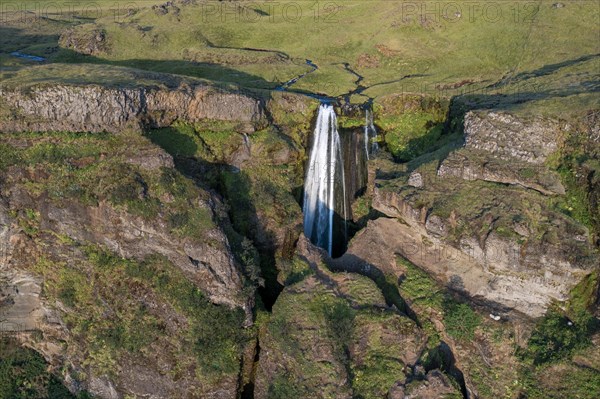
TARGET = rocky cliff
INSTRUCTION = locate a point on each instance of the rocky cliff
(119, 265)
(93, 108)
(508, 137)
(333, 335)
(501, 243)
(132, 268)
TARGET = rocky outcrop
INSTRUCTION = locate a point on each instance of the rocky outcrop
(503, 148)
(331, 335)
(20, 306)
(86, 39)
(508, 137)
(96, 108)
(208, 263)
(505, 272)
(501, 244)
(436, 385)
(479, 165)
(53, 248)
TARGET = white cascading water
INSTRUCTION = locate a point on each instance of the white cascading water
(324, 186)
(370, 135)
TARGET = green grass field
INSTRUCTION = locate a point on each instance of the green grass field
(495, 50)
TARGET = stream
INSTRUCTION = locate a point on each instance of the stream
(29, 57)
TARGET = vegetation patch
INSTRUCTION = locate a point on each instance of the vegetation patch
(557, 338)
(24, 375)
(108, 316)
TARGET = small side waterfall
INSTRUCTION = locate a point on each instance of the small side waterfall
(371, 145)
(325, 203)
(355, 162)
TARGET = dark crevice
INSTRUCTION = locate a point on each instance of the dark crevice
(442, 358)
(248, 389)
(270, 292)
(241, 221)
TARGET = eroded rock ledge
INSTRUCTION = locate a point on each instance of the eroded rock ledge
(502, 244)
(94, 108)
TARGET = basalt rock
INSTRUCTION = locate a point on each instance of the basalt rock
(505, 271)
(96, 108)
(508, 137)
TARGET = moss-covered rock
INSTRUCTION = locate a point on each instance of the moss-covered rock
(332, 336)
(122, 266)
(412, 125)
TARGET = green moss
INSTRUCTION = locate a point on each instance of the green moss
(584, 295)
(380, 365)
(460, 320)
(284, 386)
(30, 222)
(217, 349)
(24, 374)
(376, 376)
(575, 203)
(362, 291)
(419, 288)
(210, 140)
(352, 330)
(178, 140)
(236, 186)
(8, 156)
(412, 124)
(554, 339)
(106, 318)
(346, 122)
(410, 135)
(340, 320)
(361, 207)
(193, 223)
(78, 169)
(294, 270)
(568, 381)
(576, 162)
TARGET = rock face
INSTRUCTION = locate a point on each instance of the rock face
(502, 148)
(501, 244)
(508, 137)
(97, 108)
(21, 308)
(210, 266)
(51, 285)
(496, 269)
(208, 263)
(436, 385)
(478, 165)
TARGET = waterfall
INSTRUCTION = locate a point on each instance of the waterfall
(325, 205)
(371, 146)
